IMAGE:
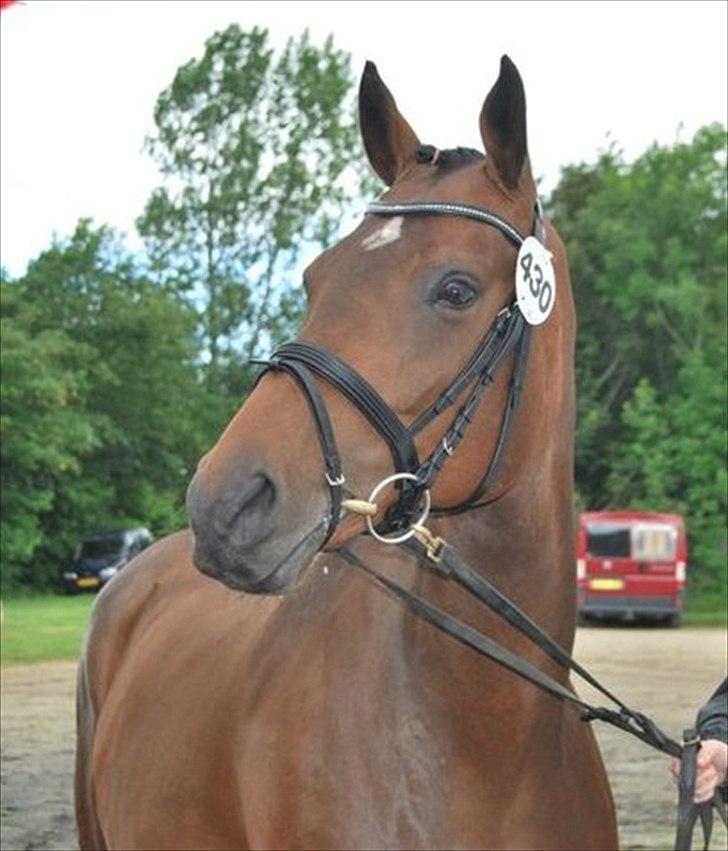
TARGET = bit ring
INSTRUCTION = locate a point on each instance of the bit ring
(405, 536)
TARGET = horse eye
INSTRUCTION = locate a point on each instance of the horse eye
(456, 293)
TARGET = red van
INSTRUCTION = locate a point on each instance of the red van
(631, 564)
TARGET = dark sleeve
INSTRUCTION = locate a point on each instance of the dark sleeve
(712, 720)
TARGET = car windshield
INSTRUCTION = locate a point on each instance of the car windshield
(101, 547)
(608, 539)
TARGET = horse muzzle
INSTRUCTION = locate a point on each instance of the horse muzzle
(245, 534)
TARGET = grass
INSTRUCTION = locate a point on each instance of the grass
(706, 608)
(49, 627)
(43, 628)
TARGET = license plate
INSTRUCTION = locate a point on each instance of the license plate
(606, 584)
(87, 582)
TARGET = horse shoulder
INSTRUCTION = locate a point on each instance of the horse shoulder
(166, 648)
(122, 604)
(116, 610)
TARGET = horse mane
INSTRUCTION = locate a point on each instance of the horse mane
(449, 159)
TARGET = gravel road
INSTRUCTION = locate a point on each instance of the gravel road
(666, 673)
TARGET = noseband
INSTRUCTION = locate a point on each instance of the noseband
(508, 333)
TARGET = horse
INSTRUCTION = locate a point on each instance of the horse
(243, 684)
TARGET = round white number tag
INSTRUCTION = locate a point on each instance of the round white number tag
(535, 281)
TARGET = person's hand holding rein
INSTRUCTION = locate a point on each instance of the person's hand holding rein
(712, 769)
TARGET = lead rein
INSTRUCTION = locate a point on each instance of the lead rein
(448, 562)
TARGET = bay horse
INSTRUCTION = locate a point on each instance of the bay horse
(282, 700)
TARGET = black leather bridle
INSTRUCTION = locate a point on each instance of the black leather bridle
(509, 333)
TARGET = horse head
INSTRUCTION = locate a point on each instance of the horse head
(403, 302)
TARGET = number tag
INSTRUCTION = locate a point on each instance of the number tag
(535, 281)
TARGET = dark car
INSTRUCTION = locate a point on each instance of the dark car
(98, 559)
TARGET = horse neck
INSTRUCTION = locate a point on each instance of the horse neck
(523, 544)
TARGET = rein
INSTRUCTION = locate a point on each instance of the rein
(403, 523)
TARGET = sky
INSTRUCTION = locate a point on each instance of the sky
(79, 79)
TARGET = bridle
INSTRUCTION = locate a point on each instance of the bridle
(403, 523)
(508, 333)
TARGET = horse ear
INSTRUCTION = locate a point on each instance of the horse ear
(390, 142)
(503, 124)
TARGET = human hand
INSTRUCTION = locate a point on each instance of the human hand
(712, 768)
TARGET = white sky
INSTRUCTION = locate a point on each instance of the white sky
(79, 81)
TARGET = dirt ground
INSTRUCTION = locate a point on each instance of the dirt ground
(37, 747)
(665, 673)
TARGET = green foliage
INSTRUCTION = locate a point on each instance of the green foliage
(103, 415)
(260, 155)
(647, 244)
(43, 432)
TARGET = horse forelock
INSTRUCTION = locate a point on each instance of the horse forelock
(452, 159)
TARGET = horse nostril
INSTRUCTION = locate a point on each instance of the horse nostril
(246, 514)
(257, 495)
(235, 518)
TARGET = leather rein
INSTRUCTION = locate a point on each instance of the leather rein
(403, 523)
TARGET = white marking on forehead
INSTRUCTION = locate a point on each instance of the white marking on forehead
(389, 232)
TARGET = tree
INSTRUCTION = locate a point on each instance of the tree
(648, 250)
(45, 435)
(103, 412)
(260, 155)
